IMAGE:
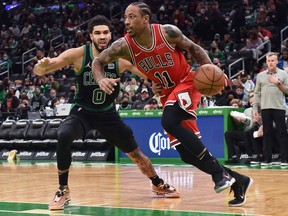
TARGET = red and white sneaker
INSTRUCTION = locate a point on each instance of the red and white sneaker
(166, 190)
(61, 199)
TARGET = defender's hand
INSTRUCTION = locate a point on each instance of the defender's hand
(107, 84)
(41, 66)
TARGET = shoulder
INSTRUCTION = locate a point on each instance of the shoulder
(171, 31)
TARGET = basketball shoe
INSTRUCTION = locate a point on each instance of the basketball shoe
(240, 191)
(222, 181)
(61, 199)
(166, 190)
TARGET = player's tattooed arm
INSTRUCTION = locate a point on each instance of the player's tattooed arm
(111, 54)
(176, 38)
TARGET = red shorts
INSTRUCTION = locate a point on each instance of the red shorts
(189, 124)
(188, 99)
(185, 94)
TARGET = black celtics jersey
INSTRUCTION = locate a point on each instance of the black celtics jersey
(89, 95)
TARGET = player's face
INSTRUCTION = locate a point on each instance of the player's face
(100, 37)
(134, 21)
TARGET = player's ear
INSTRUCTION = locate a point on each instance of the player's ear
(146, 19)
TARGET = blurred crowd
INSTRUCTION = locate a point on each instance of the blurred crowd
(220, 27)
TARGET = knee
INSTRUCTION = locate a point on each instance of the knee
(64, 136)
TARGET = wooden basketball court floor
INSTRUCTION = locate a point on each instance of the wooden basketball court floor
(106, 189)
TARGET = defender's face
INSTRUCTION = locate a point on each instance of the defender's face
(134, 21)
(100, 37)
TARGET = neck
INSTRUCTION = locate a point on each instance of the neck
(272, 70)
(145, 38)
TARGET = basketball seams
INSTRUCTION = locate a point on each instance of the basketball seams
(209, 80)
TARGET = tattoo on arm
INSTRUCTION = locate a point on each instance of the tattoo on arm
(198, 53)
(171, 31)
(176, 36)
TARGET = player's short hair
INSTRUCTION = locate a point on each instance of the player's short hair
(144, 8)
(99, 20)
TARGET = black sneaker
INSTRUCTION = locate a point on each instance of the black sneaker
(222, 181)
(240, 191)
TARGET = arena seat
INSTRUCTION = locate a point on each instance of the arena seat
(36, 132)
(5, 128)
(18, 134)
(50, 133)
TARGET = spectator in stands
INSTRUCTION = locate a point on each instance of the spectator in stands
(62, 100)
(252, 43)
(236, 103)
(227, 45)
(15, 30)
(38, 101)
(55, 101)
(142, 101)
(52, 96)
(261, 14)
(237, 20)
(2, 92)
(39, 55)
(151, 105)
(226, 98)
(39, 43)
(24, 107)
(80, 40)
(241, 95)
(283, 60)
(6, 58)
(25, 30)
(130, 84)
(214, 52)
(264, 33)
(71, 94)
(242, 138)
(55, 31)
(11, 102)
(246, 82)
(125, 103)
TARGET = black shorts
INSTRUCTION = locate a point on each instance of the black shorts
(108, 123)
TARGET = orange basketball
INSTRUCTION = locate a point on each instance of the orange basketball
(209, 79)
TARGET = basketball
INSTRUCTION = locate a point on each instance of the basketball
(209, 79)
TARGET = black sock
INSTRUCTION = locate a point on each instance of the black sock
(155, 180)
(63, 178)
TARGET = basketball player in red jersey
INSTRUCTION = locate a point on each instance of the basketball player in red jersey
(156, 51)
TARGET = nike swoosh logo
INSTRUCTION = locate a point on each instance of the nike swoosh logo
(137, 54)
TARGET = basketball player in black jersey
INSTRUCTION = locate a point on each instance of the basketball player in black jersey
(94, 109)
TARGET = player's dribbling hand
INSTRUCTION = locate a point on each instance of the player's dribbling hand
(156, 88)
(108, 84)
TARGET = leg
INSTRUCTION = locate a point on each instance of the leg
(70, 130)
(171, 122)
(279, 119)
(232, 139)
(267, 134)
(124, 139)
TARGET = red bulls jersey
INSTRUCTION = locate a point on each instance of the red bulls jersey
(162, 63)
